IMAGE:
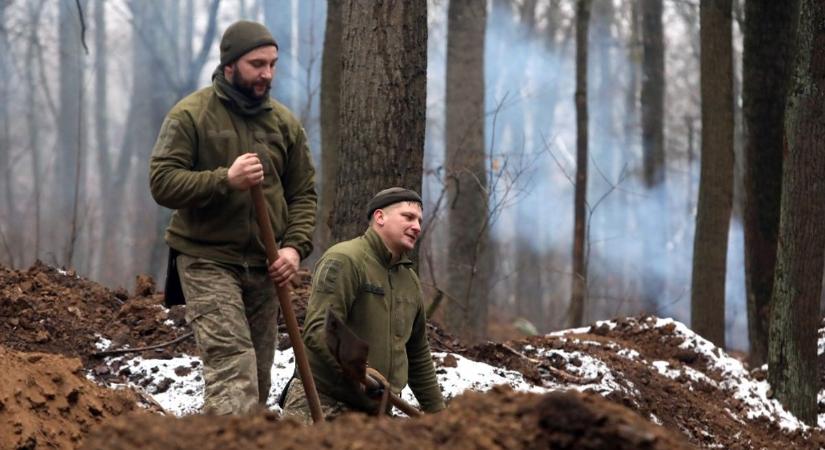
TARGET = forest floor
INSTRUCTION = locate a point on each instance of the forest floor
(629, 383)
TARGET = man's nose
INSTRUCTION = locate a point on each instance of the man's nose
(416, 227)
(268, 73)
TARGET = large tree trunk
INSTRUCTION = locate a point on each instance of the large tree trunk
(653, 152)
(330, 100)
(769, 32)
(383, 103)
(792, 356)
(467, 199)
(710, 243)
(579, 291)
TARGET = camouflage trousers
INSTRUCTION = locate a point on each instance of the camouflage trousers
(296, 405)
(233, 312)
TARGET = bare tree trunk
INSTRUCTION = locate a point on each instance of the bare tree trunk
(70, 132)
(579, 292)
(792, 353)
(32, 125)
(653, 151)
(631, 132)
(710, 243)
(468, 212)
(330, 134)
(101, 112)
(383, 102)
(769, 32)
(8, 206)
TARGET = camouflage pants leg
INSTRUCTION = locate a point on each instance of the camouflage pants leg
(296, 405)
(233, 314)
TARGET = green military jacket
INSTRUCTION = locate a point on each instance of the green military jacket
(381, 303)
(200, 138)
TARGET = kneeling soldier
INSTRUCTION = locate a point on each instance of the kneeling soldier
(370, 284)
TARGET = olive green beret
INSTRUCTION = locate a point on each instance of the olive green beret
(389, 196)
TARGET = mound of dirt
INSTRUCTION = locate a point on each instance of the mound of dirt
(656, 372)
(47, 402)
(497, 419)
(56, 311)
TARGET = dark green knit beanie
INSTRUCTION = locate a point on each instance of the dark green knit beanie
(241, 37)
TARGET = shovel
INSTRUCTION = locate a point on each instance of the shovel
(351, 353)
(268, 236)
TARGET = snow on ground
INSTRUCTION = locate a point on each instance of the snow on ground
(177, 385)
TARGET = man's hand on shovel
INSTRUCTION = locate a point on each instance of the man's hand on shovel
(285, 267)
(351, 353)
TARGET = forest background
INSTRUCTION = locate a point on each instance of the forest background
(88, 82)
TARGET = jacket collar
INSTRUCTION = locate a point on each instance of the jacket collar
(381, 251)
(235, 99)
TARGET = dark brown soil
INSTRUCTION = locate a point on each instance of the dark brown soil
(702, 412)
(62, 313)
(497, 419)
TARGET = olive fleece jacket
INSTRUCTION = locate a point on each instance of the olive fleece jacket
(379, 301)
(199, 140)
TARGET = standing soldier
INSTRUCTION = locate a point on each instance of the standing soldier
(369, 283)
(213, 146)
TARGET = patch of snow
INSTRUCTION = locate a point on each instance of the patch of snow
(102, 343)
(472, 375)
(282, 369)
(820, 343)
(664, 368)
(184, 393)
(735, 379)
(628, 353)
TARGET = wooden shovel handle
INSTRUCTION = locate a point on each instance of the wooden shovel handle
(371, 382)
(268, 236)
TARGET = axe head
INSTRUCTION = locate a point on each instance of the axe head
(348, 349)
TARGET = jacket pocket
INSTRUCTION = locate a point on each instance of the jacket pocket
(404, 312)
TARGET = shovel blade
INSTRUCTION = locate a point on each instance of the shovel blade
(347, 348)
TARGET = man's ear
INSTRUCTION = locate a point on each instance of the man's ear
(228, 70)
(378, 216)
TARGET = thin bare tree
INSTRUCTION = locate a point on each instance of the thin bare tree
(710, 242)
(578, 295)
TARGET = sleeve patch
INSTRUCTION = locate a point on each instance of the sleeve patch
(167, 133)
(328, 274)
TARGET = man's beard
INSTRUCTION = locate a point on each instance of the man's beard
(248, 89)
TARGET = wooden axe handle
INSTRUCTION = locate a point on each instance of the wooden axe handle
(268, 236)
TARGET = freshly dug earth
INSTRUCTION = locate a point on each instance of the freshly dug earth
(59, 312)
(692, 407)
(497, 419)
(47, 310)
(47, 402)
